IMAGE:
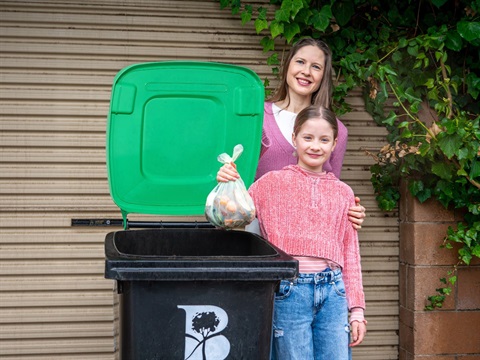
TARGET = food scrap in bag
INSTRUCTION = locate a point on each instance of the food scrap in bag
(229, 205)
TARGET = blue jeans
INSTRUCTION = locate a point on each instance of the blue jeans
(310, 319)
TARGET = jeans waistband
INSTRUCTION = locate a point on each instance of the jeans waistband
(324, 277)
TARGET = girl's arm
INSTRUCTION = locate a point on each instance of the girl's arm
(359, 330)
(228, 172)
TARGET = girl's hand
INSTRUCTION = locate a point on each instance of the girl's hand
(359, 330)
(228, 172)
(356, 214)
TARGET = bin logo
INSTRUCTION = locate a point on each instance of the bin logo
(203, 327)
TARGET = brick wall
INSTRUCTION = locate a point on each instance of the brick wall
(452, 333)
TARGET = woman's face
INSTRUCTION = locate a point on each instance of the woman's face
(305, 71)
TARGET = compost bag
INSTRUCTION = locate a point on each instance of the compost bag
(229, 205)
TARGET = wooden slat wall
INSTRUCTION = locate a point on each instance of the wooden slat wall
(57, 63)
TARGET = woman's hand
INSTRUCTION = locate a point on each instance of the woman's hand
(228, 172)
(359, 330)
(356, 214)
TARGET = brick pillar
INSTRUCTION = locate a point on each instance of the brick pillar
(452, 333)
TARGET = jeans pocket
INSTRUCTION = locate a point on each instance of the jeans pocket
(284, 290)
(339, 287)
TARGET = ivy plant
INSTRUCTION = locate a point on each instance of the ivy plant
(425, 55)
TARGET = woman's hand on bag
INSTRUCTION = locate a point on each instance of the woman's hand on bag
(356, 214)
(228, 172)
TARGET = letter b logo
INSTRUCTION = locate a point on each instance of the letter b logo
(203, 327)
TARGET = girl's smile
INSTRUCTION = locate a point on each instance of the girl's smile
(314, 143)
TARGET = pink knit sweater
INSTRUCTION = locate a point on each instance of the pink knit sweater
(305, 214)
(277, 152)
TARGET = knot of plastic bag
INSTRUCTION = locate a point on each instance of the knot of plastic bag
(229, 205)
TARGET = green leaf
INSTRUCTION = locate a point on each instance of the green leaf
(321, 20)
(453, 41)
(473, 83)
(397, 56)
(430, 83)
(475, 169)
(234, 4)
(273, 60)
(402, 42)
(282, 15)
(224, 4)
(447, 290)
(415, 187)
(424, 195)
(465, 255)
(268, 44)
(276, 28)
(326, 11)
(291, 8)
(290, 31)
(449, 144)
(390, 120)
(469, 30)
(262, 13)
(260, 25)
(476, 250)
(445, 187)
(388, 69)
(411, 96)
(407, 134)
(412, 50)
(438, 3)
(442, 170)
(343, 12)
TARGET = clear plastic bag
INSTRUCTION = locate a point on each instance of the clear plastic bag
(229, 205)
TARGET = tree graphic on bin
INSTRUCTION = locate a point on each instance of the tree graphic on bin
(204, 323)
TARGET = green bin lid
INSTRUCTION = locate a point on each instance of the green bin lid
(168, 122)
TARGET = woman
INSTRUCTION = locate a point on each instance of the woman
(306, 80)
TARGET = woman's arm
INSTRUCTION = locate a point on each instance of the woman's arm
(356, 214)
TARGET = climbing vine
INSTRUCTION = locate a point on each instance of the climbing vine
(425, 55)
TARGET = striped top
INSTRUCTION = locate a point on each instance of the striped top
(311, 265)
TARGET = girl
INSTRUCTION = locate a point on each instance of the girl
(303, 209)
(306, 79)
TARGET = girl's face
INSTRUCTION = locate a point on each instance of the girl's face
(314, 142)
(305, 71)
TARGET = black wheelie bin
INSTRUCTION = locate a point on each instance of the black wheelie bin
(187, 290)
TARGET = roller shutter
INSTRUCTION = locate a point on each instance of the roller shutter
(57, 63)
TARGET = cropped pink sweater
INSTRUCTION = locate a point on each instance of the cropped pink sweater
(277, 152)
(306, 215)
